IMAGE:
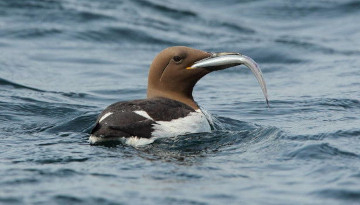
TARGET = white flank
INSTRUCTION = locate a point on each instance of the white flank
(143, 113)
(195, 122)
(105, 116)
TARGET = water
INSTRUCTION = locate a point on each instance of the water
(62, 62)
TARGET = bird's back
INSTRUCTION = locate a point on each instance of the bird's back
(147, 119)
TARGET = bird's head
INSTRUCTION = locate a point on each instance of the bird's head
(175, 71)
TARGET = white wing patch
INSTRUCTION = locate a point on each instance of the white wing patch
(143, 113)
(105, 116)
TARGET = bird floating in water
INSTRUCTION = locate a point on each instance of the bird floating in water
(169, 109)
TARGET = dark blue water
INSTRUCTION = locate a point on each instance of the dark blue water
(63, 62)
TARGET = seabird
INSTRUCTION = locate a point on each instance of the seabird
(169, 109)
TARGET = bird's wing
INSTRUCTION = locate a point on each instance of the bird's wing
(137, 117)
(123, 124)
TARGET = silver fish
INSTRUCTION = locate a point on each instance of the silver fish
(219, 61)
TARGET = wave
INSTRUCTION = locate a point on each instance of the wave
(82, 123)
(318, 9)
(320, 151)
(8, 83)
(343, 194)
(74, 21)
(122, 35)
(227, 132)
(313, 47)
(339, 102)
(322, 136)
(30, 5)
(314, 104)
(166, 9)
(5, 82)
(30, 33)
(230, 134)
(59, 10)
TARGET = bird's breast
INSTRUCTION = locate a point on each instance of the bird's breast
(194, 122)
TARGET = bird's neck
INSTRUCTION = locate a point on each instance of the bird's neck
(184, 98)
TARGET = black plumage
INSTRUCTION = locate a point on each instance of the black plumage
(124, 122)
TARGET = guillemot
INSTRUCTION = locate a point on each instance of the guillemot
(169, 109)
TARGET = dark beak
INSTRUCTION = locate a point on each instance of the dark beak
(220, 61)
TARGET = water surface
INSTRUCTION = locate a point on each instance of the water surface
(63, 62)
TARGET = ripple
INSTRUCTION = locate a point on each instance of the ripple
(320, 151)
(90, 61)
(85, 16)
(16, 85)
(314, 104)
(347, 133)
(2, 44)
(64, 160)
(175, 200)
(11, 200)
(111, 92)
(31, 4)
(55, 10)
(31, 33)
(343, 103)
(277, 55)
(348, 7)
(166, 9)
(67, 199)
(125, 35)
(317, 9)
(73, 199)
(81, 123)
(238, 28)
(307, 139)
(40, 108)
(104, 175)
(344, 194)
(230, 134)
(63, 172)
(74, 95)
(21, 181)
(321, 136)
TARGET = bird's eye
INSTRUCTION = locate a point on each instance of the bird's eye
(177, 59)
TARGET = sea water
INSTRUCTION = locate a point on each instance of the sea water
(63, 62)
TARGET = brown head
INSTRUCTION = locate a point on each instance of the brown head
(169, 78)
(175, 71)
